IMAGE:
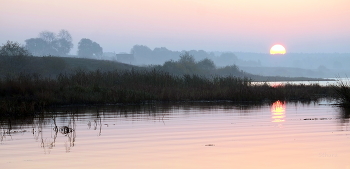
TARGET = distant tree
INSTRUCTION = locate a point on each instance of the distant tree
(199, 54)
(89, 49)
(85, 48)
(187, 58)
(47, 36)
(161, 51)
(141, 49)
(49, 43)
(37, 46)
(64, 42)
(185, 65)
(64, 34)
(228, 57)
(206, 64)
(98, 51)
(13, 49)
(232, 70)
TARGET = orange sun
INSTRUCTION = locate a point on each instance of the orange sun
(277, 49)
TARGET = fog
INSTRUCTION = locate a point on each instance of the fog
(220, 25)
(313, 65)
(325, 65)
(153, 32)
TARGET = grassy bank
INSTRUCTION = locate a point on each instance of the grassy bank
(51, 66)
(25, 94)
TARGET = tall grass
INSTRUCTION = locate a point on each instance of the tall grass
(23, 93)
(342, 90)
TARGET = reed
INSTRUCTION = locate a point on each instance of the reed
(26, 94)
(342, 90)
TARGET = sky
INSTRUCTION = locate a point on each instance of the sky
(308, 26)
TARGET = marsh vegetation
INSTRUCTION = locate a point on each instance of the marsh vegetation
(25, 93)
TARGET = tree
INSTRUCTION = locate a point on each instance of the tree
(187, 58)
(47, 36)
(206, 64)
(49, 43)
(64, 42)
(228, 57)
(89, 49)
(37, 46)
(141, 49)
(64, 34)
(98, 51)
(13, 49)
(185, 65)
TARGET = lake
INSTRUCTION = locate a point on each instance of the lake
(331, 81)
(181, 135)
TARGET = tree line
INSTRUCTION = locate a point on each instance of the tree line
(51, 44)
(145, 55)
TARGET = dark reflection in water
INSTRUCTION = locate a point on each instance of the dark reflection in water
(40, 127)
(46, 127)
(344, 115)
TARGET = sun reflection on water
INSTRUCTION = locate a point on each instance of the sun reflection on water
(278, 110)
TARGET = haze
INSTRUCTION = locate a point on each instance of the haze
(311, 26)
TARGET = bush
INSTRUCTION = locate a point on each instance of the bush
(13, 49)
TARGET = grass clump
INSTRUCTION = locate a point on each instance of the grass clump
(342, 91)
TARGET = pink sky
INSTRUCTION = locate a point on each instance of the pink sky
(212, 25)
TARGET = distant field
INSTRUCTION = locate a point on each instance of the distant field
(51, 66)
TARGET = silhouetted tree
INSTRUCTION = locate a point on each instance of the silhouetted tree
(185, 65)
(13, 49)
(37, 46)
(50, 44)
(141, 49)
(199, 54)
(47, 36)
(64, 42)
(206, 64)
(89, 49)
(13, 57)
(229, 56)
(187, 58)
(145, 55)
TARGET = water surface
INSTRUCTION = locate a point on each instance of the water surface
(197, 135)
(330, 82)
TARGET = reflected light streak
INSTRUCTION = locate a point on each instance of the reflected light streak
(278, 109)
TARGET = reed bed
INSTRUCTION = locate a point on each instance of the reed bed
(26, 94)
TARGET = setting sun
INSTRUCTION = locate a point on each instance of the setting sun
(277, 49)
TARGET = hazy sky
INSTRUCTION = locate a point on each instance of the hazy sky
(212, 25)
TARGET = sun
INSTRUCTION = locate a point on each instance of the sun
(277, 49)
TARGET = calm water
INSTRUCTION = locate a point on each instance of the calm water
(201, 135)
(322, 83)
